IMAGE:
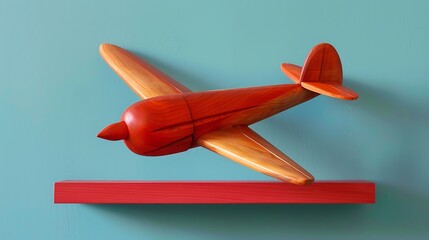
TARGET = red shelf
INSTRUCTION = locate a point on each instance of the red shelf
(210, 192)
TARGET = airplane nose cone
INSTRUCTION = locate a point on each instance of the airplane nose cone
(114, 132)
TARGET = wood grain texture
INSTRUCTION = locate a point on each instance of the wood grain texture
(331, 90)
(292, 71)
(146, 192)
(246, 147)
(159, 126)
(146, 80)
(172, 119)
(322, 64)
(216, 110)
(322, 73)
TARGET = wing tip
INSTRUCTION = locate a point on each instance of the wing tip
(105, 47)
(306, 181)
(300, 179)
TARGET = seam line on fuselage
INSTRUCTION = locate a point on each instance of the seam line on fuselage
(172, 143)
(192, 120)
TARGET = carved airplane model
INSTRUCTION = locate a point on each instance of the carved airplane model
(171, 118)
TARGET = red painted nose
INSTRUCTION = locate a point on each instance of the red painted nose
(114, 132)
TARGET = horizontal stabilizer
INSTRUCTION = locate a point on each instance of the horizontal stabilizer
(334, 90)
(292, 71)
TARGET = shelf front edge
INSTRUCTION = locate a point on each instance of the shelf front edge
(213, 192)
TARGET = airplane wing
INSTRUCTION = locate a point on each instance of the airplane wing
(143, 78)
(243, 145)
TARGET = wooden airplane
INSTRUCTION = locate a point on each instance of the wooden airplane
(171, 118)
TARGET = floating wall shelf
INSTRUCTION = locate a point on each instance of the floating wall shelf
(213, 192)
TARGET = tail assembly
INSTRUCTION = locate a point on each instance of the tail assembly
(322, 73)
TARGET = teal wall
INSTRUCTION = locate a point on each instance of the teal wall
(56, 93)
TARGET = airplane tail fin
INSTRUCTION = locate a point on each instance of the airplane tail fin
(322, 73)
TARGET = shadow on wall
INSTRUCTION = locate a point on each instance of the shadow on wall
(405, 123)
(399, 211)
(388, 106)
(396, 213)
(393, 124)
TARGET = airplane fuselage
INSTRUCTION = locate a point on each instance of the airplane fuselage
(173, 119)
(173, 123)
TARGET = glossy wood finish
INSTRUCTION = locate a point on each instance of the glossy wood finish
(216, 110)
(323, 64)
(292, 71)
(331, 90)
(323, 73)
(146, 80)
(145, 192)
(159, 126)
(172, 119)
(246, 147)
(115, 131)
